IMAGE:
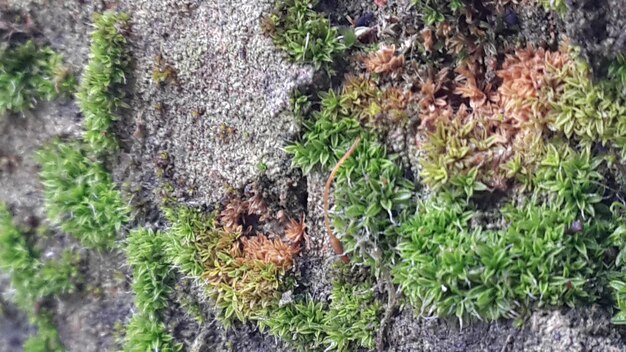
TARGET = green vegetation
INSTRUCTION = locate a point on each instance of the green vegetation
(590, 113)
(100, 91)
(559, 6)
(551, 252)
(618, 284)
(350, 321)
(46, 339)
(304, 34)
(80, 195)
(186, 225)
(301, 324)
(432, 11)
(243, 286)
(371, 194)
(34, 281)
(28, 74)
(146, 333)
(572, 180)
(152, 279)
(548, 246)
(152, 284)
(449, 268)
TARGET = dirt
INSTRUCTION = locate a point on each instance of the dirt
(219, 125)
(599, 28)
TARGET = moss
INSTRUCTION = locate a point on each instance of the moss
(152, 278)
(147, 333)
(589, 112)
(559, 6)
(527, 138)
(80, 195)
(30, 73)
(34, 281)
(349, 322)
(551, 253)
(100, 94)
(46, 339)
(304, 34)
(242, 274)
(152, 285)
(618, 284)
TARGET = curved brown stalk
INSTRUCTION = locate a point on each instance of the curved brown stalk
(337, 246)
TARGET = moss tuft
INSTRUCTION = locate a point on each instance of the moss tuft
(28, 74)
(304, 34)
(100, 94)
(80, 195)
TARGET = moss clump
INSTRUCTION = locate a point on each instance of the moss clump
(590, 112)
(618, 278)
(349, 322)
(80, 195)
(304, 34)
(152, 279)
(100, 93)
(28, 74)
(34, 281)
(147, 333)
(46, 339)
(551, 253)
(301, 324)
(244, 274)
(371, 193)
(152, 284)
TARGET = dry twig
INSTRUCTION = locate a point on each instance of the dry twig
(337, 246)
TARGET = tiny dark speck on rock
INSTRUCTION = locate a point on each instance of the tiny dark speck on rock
(364, 20)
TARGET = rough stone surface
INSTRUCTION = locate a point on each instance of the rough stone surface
(599, 28)
(223, 118)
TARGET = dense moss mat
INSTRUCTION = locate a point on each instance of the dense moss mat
(518, 205)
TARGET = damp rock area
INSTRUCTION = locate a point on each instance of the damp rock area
(312, 175)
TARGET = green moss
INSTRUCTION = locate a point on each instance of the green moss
(147, 333)
(100, 92)
(349, 322)
(28, 74)
(181, 248)
(152, 285)
(304, 34)
(152, 279)
(353, 318)
(371, 197)
(371, 192)
(587, 112)
(559, 6)
(617, 72)
(618, 284)
(301, 324)
(34, 281)
(546, 256)
(80, 195)
(46, 339)
(241, 288)
(572, 180)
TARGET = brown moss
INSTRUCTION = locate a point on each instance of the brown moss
(384, 60)
(467, 125)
